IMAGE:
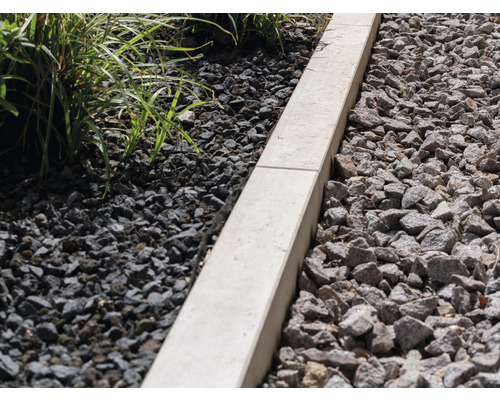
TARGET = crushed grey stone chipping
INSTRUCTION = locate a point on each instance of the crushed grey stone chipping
(406, 271)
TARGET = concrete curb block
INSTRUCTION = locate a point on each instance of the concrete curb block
(230, 323)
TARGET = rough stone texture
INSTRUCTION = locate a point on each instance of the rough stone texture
(345, 166)
(311, 307)
(409, 376)
(420, 241)
(365, 117)
(314, 268)
(358, 255)
(337, 190)
(435, 364)
(457, 373)
(448, 343)
(439, 240)
(469, 284)
(338, 381)
(367, 273)
(381, 339)
(442, 212)
(316, 375)
(370, 374)
(477, 225)
(345, 360)
(487, 362)
(489, 379)
(410, 332)
(420, 308)
(402, 293)
(403, 168)
(492, 310)
(413, 196)
(442, 268)
(336, 216)
(289, 376)
(414, 223)
(359, 320)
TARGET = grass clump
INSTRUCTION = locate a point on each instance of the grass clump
(240, 28)
(67, 78)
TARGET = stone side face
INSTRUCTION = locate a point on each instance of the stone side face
(229, 326)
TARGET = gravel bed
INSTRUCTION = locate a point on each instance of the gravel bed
(89, 287)
(402, 286)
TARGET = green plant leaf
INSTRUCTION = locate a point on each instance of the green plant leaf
(9, 107)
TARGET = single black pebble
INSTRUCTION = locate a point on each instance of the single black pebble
(47, 332)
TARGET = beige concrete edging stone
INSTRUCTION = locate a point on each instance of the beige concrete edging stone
(229, 326)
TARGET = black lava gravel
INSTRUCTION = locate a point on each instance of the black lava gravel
(89, 287)
(402, 285)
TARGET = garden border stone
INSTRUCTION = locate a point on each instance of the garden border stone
(230, 324)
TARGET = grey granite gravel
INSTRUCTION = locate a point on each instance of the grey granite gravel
(407, 248)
